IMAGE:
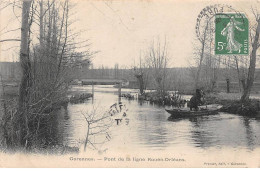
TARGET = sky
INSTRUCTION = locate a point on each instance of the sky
(122, 30)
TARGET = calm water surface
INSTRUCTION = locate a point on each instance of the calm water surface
(150, 129)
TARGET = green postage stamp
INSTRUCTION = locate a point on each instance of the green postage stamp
(231, 35)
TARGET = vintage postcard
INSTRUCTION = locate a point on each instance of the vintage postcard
(130, 83)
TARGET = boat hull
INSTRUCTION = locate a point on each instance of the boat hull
(188, 113)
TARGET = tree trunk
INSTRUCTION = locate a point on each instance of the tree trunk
(86, 140)
(243, 82)
(238, 74)
(41, 23)
(203, 42)
(141, 84)
(21, 120)
(251, 72)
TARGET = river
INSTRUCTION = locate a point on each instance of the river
(148, 128)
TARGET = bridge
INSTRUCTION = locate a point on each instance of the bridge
(102, 81)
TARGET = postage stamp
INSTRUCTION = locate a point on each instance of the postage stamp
(231, 34)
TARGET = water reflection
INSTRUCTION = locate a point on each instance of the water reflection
(201, 134)
(151, 128)
(151, 132)
(249, 133)
(66, 113)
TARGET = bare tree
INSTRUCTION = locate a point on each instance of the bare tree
(22, 116)
(98, 125)
(251, 70)
(46, 66)
(207, 62)
(202, 41)
(157, 60)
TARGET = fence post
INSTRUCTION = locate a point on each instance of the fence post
(228, 84)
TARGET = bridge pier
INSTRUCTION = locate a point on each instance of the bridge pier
(119, 92)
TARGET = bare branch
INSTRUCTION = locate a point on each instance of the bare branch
(10, 40)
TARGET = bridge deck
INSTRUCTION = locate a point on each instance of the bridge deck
(101, 81)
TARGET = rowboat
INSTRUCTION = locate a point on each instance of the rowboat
(203, 110)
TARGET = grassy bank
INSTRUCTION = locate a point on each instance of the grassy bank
(230, 101)
(232, 104)
(49, 119)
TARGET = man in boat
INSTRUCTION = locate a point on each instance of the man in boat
(195, 100)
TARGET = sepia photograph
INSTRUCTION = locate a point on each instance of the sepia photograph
(130, 83)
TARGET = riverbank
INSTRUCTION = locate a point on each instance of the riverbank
(232, 104)
(230, 101)
(159, 98)
(46, 143)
